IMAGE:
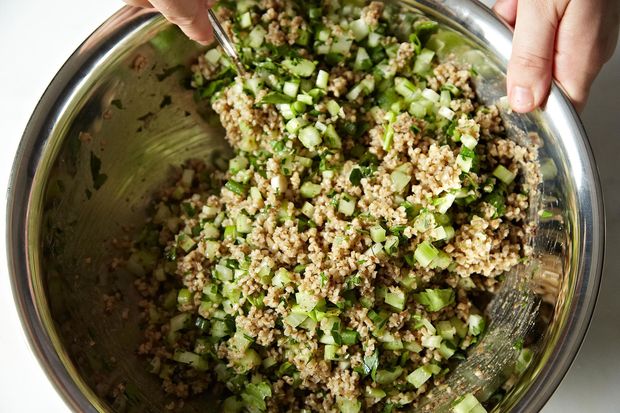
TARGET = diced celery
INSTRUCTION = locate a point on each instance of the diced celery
(430, 94)
(468, 404)
(431, 341)
(435, 299)
(193, 359)
(387, 376)
(446, 112)
(503, 174)
(295, 319)
(374, 39)
(322, 79)
(330, 352)
(423, 61)
(333, 108)
(360, 29)
(308, 210)
(332, 139)
(281, 278)
(468, 141)
(396, 298)
(310, 137)
(299, 67)
(346, 205)
(256, 37)
(377, 233)
(362, 60)
(309, 189)
(244, 224)
(419, 376)
(425, 253)
(476, 324)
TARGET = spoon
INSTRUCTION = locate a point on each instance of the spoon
(225, 42)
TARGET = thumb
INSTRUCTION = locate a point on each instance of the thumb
(531, 64)
(190, 15)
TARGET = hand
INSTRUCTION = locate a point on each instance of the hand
(568, 40)
(190, 15)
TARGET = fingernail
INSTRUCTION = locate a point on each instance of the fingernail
(521, 99)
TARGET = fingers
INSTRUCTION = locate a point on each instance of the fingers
(531, 64)
(190, 15)
(581, 50)
(138, 3)
(507, 10)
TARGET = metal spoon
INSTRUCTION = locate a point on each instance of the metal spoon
(225, 42)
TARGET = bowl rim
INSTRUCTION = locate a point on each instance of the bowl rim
(129, 21)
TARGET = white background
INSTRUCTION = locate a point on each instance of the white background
(37, 36)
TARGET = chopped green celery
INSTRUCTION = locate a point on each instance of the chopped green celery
(374, 39)
(405, 88)
(523, 361)
(281, 278)
(238, 163)
(349, 337)
(442, 233)
(287, 111)
(388, 137)
(230, 232)
(329, 324)
(293, 125)
(185, 242)
(446, 112)
(180, 322)
(391, 245)
(368, 84)
(396, 298)
(431, 342)
(330, 352)
(548, 169)
(299, 67)
(295, 319)
(308, 210)
(348, 405)
(249, 360)
(468, 141)
(240, 341)
(334, 108)
(254, 84)
(232, 405)
(467, 404)
(211, 249)
(355, 92)
(394, 345)
(423, 61)
(464, 163)
(374, 393)
(420, 375)
(445, 98)
(504, 174)
(377, 233)
(341, 45)
(305, 98)
(412, 346)
(387, 376)
(400, 179)
(435, 299)
(332, 139)
(309, 189)
(360, 29)
(476, 324)
(184, 296)
(409, 281)
(244, 224)
(279, 183)
(322, 79)
(424, 222)
(346, 205)
(213, 55)
(223, 273)
(306, 301)
(308, 324)
(256, 37)
(425, 253)
(310, 137)
(291, 88)
(192, 359)
(245, 20)
(417, 109)
(460, 326)
(362, 60)
(446, 330)
(447, 349)
(442, 261)
(431, 95)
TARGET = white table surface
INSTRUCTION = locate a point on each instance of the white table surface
(37, 36)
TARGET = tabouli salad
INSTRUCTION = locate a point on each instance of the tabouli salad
(333, 264)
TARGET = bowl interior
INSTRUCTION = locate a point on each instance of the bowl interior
(129, 119)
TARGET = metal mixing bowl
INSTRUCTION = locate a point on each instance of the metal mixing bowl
(117, 115)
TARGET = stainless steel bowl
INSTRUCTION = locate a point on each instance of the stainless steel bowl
(102, 139)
